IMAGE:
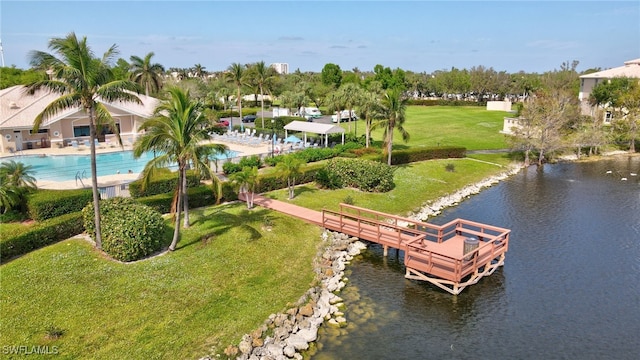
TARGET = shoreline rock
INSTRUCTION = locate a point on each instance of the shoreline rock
(285, 335)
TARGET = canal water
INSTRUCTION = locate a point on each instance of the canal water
(569, 289)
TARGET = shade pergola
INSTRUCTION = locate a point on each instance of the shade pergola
(315, 128)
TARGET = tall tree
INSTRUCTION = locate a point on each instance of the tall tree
(198, 71)
(262, 74)
(290, 168)
(146, 74)
(370, 110)
(546, 117)
(628, 111)
(351, 95)
(394, 106)
(81, 79)
(331, 75)
(236, 74)
(176, 133)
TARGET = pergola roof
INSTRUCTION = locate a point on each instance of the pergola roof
(311, 127)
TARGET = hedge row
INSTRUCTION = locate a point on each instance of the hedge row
(164, 181)
(272, 182)
(199, 196)
(443, 102)
(48, 204)
(39, 235)
(421, 154)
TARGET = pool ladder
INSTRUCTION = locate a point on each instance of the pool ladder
(79, 176)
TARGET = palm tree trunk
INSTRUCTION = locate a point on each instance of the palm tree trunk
(176, 230)
(185, 198)
(94, 178)
(262, 105)
(367, 133)
(389, 144)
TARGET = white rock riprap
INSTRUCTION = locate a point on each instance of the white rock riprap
(436, 207)
(291, 332)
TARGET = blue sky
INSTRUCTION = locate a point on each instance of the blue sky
(533, 36)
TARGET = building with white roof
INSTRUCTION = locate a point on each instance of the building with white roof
(18, 109)
(631, 69)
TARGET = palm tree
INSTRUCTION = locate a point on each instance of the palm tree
(176, 132)
(246, 181)
(370, 110)
(350, 94)
(393, 108)
(198, 70)
(335, 103)
(236, 75)
(290, 168)
(146, 74)
(16, 180)
(262, 74)
(81, 79)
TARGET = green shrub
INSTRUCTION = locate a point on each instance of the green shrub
(421, 154)
(130, 230)
(21, 241)
(450, 167)
(365, 175)
(314, 154)
(199, 196)
(12, 216)
(348, 200)
(48, 204)
(164, 181)
(250, 161)
(328, 179)
(228, 113)
(231, 168)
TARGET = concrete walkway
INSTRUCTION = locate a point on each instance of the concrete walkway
(308, 215)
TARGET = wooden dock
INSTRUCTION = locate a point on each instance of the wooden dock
(442, 255)
(451, 256)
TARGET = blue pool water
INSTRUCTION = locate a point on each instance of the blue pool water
(66, 167)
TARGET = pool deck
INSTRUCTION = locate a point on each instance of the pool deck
(110, 180)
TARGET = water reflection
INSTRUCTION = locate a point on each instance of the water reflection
(569, 288)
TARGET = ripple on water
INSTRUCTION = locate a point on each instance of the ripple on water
(569, 288)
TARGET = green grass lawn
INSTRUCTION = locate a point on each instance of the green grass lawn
(416, 184)
(228, 273)
(471, 126)
(174, 306)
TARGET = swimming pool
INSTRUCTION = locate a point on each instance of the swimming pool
(66, 167)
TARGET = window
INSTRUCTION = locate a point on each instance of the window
(81, 131)
(608, 116)
(107, 130)
(40, 131)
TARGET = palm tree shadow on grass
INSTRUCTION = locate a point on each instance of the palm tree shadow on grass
(209, 228)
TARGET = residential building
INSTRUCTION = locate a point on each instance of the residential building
(281, 68)
(631, 69)
(18, 110)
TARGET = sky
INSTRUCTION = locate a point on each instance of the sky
(420, 36)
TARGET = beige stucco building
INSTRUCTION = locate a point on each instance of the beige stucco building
(631, 69)
(18, 110)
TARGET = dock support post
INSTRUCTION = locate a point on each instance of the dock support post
(385, 250)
